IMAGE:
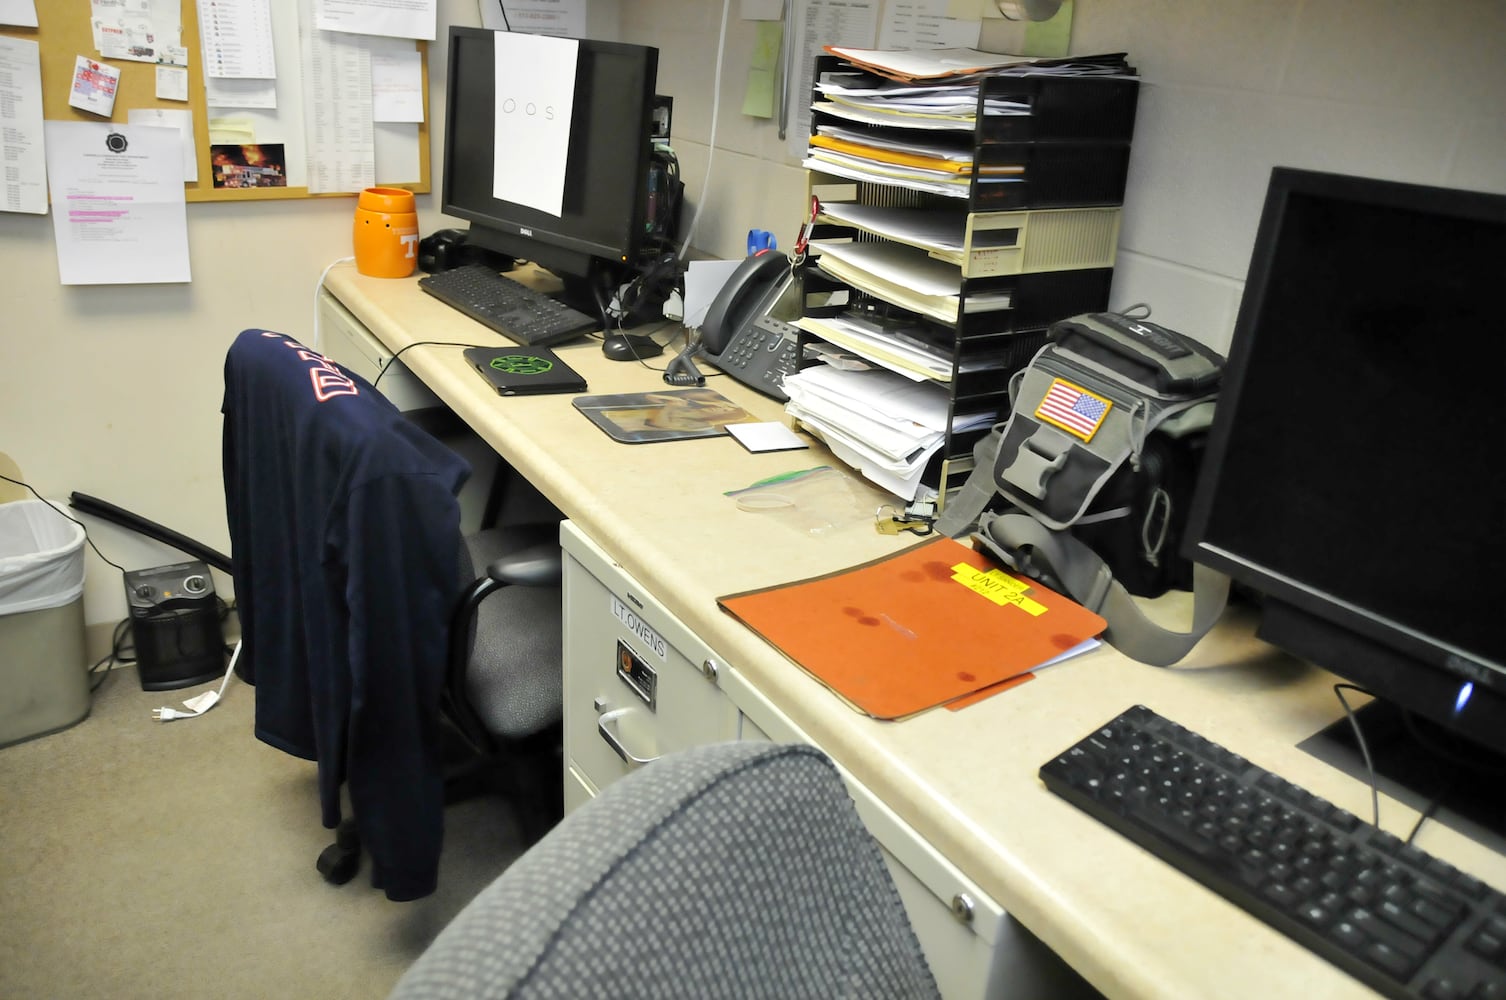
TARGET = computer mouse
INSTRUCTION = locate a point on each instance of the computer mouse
(630, 347)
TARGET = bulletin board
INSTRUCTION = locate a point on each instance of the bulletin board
(64, 32)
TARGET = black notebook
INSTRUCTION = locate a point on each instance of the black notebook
(524, 371)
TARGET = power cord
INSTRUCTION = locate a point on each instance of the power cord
(1359, 737)
(318, 288)
(417, 343)
(199, 703)
(716, 103)
(28, 487)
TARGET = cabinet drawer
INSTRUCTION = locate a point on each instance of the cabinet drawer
(634, 689)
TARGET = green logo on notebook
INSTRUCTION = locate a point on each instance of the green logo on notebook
(522, 364)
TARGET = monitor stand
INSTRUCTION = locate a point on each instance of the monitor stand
(1417, 762)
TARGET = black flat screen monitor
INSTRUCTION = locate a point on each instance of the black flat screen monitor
(597, 234)
(1355, 477)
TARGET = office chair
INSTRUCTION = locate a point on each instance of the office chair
(727, 870)
(376, 645)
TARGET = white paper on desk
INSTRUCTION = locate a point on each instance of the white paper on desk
(397, 86)
(22, 140)
(393, 18)
(119, 212)
(768, 435)
(182, 120)
(236, 39)
(22, 13)
(703, 279)
(534, 103)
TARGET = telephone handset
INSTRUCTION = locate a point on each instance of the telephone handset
(740, 337)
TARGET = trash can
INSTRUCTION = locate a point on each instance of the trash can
(44, 674)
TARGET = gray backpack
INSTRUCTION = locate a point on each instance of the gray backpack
(1095, 467)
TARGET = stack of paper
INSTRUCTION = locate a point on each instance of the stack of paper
(934, 95)
(963, 66)
(907, 277)
(880, 423)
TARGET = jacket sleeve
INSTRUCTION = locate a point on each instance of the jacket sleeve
(402, 581)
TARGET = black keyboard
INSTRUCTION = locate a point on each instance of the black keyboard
(514, 310)
(1393, 916)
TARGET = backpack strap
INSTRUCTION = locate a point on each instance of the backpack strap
(960, 512)
(1063, 562)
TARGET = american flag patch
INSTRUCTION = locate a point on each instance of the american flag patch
(1073, 409)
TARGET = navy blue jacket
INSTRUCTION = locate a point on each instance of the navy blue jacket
(345, 541)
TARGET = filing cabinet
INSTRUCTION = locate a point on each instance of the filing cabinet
(637, 686)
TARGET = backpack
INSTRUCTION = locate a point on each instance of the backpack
(1093, 472)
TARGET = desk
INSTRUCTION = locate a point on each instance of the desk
(963, 781)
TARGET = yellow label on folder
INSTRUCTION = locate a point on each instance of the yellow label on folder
(999, 587)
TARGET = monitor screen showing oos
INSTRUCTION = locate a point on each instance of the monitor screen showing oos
(601, 225)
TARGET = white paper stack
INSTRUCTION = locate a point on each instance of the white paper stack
(883, 425)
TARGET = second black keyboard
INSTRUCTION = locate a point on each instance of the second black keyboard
(1408, 924)
(520, 313)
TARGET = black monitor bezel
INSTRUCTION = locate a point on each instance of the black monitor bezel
(568, 254)
(1422, 673)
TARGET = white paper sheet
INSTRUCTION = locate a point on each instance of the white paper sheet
(535, 101)
(397, 86)
(182, 120)
(93, 87)
(22, 13)
(22, 145)
(923, 24)
(172, 83)
(819, 23)
(557, 18)
(237, 40)
(341, 137)
(139, 30)
(120, 215)
(393, 18)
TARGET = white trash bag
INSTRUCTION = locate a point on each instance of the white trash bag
(41, 557)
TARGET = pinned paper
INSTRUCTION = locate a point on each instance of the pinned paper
(763, 70)
(172, 83)
(94, 86)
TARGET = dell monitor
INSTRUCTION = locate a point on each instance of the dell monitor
(1355, 477)
(596, 239)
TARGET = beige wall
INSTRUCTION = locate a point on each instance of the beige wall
(115, 392)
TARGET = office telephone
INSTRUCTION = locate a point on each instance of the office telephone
(741, 337)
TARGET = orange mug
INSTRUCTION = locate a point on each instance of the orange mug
(386, 233)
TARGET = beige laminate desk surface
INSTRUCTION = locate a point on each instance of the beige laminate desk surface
(966, 781)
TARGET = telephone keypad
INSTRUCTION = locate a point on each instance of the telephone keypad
(761, 355)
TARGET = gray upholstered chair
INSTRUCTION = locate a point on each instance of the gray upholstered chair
(729, 870)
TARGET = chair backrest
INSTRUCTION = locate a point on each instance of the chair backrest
(729, 870)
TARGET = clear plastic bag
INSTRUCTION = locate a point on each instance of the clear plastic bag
(811, 501)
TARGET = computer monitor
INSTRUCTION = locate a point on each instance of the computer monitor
(596, 238)
(1355, 476)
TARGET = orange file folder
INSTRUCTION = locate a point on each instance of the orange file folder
(936, 622)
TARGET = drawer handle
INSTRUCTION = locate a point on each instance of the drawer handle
(603, 726)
